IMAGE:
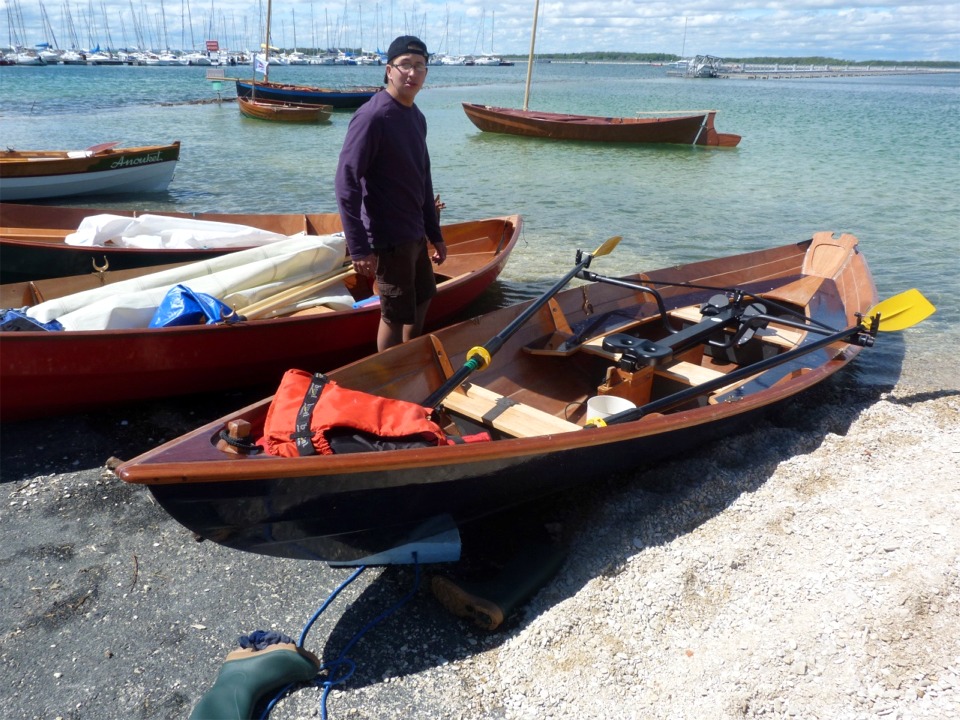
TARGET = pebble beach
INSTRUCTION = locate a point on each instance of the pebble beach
(811, 569)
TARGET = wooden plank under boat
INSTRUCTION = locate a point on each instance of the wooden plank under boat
(43, 373)
(342, 98)
(765, 334)
(32, 245)
(99, 170)
(282, 111)
(690, 129)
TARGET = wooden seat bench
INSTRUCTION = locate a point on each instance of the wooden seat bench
(504, 414)
(688, 372)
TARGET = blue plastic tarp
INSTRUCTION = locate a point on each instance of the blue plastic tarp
(183, 306)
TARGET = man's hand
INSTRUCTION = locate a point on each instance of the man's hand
(439, 252)
(366, 266)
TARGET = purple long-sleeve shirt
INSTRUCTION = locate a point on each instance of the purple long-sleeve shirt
(383, 184)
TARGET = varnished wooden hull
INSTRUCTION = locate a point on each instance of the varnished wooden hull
(697, 129)
(44, 373)
(276, 111)
(347, 508)
(39, 174)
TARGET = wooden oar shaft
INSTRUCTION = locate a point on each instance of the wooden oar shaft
(295, 290)
(266, 306)
(493, 345)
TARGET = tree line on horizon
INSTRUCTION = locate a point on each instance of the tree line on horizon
(614, 56)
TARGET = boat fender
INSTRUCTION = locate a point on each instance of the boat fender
(308, 411)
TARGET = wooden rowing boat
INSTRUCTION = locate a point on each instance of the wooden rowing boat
(280, 111)
(343, 98)
(258, 106)
(33, 247)
(690, 128)
(697, 350)
(99, 170)
(42, 373)
(684, 129)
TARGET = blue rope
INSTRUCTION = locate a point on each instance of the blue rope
(342, 662)
(326, 603)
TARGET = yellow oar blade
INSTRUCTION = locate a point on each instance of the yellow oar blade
(607, 247)
(902, 311)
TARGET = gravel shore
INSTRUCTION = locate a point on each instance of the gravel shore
(810, 569)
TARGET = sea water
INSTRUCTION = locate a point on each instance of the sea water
(876, 156)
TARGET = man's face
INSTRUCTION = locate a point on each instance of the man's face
(406, 75)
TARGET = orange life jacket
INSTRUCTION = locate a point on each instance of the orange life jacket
(308, 410)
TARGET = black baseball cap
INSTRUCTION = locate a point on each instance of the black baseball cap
(407, 45)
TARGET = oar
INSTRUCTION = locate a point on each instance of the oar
(903, 311)
(292, 295)
(896, 313)
(479, 357)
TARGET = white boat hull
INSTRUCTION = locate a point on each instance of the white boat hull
(155, 177)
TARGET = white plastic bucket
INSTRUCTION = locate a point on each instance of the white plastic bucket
(602, 406)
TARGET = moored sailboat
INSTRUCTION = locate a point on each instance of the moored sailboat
(690, 128)
(277, 110)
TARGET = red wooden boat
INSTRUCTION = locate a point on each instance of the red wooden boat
(32, 237)
(695, 351)
(689, 129)
(42, 373)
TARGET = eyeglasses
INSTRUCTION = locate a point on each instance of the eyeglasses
(410, 67)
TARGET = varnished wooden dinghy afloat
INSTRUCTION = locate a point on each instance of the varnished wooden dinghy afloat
(99, 170)
(678, 128)
(516, 404)
(279, 111)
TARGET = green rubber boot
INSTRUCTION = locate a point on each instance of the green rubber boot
(248, 675)
(488, 603)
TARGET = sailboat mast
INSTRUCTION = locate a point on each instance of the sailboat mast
(266, 49)
(533, 40)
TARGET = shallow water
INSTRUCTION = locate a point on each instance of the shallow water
(877, 157)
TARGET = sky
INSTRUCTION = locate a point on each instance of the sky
(854, 30)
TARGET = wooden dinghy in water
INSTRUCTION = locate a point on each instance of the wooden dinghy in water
(99, 170)
(341, 98)
(684, 129)
(281, 111)
(695, 352)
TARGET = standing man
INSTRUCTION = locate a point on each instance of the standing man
(385, 195)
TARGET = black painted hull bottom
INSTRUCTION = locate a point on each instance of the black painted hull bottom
(297, 518)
